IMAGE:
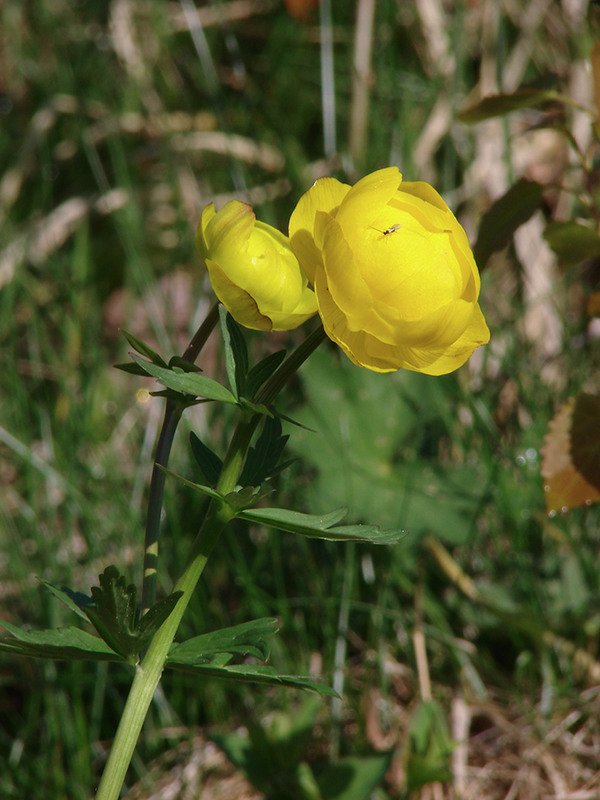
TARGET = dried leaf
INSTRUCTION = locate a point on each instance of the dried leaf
(571, 455)
(593, 305)
(301, 9)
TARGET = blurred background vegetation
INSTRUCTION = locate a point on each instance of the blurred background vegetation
(119, 121)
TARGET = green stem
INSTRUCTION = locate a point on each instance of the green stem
(173, 412)
(293, 362)
(148, 673)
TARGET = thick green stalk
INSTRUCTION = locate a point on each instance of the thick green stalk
(148, 673)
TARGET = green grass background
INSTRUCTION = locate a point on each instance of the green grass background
(116, 126)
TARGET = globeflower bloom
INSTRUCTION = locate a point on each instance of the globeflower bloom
(252, 269)
(395, 279)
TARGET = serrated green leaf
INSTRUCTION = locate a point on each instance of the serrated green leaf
(236, 352)
(500, 222)
(246, 673)
(209, 462)
(364, 533)
(113, 612)
(247, 639)
(294, 521)
(498, 105)
(73, 600)
(188, 383)
(572, 242)
(262, 371)
(62, 643)
(320, 527)
(144, 349)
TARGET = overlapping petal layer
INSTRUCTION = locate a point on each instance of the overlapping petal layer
(252, 269)
(393, 273)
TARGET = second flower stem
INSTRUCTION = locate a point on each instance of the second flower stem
(173, 412)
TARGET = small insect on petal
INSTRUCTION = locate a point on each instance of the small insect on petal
(387, 231)
(392, 229)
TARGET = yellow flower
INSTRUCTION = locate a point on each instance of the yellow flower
(252, 269)
(394, 276)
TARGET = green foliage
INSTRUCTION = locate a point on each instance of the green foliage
(573, 242)
(248, 639)
(60, 643)
(314, 526)
(209, 462)
(371, 449)
(429, 747)
(111, 609)
(273, 756)
(236, 353)
(262, 371)
(125, 162)
(186, 382)
(263, 460)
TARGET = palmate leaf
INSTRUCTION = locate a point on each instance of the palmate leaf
(63, 643)
(112, 611)
(247, 639)
(186, 382)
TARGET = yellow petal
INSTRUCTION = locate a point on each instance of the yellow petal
(237, 301)
(454, 356)
(227, 229)
(324, 195)
(346, 284)
(207, 214)
(366, 196)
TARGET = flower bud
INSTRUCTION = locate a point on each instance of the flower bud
(252, 269)
(395, 279)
